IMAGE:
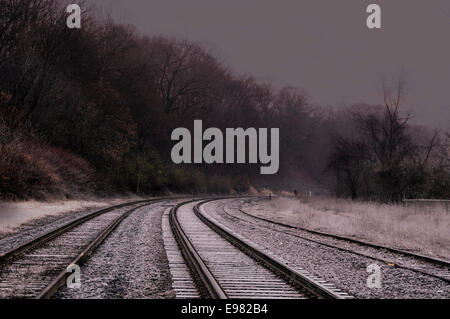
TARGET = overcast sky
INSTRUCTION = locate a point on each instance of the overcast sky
(321, 46)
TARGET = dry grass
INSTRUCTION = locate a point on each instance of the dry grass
(32, 169)
(423, 229)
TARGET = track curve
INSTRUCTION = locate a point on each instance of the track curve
(228, 266)
(37, 268)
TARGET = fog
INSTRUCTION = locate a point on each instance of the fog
(323, 47)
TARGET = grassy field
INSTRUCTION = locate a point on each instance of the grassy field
(420, 228)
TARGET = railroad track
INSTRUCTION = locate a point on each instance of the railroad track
(224, 265)
(37, 268)
(426, 265)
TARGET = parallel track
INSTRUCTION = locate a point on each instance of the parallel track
(444, 266)
(37, 268)
(42, 239)
(227, 266)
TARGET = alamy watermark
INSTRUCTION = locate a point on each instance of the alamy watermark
(74, 276)
(374, 279)
(74, 19)
(373, 20)
(230, 149)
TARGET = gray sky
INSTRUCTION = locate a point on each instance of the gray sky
(321, 46)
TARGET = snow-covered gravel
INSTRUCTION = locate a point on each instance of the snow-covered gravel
(15, 214)
(345, 270)
(416, 228)
(249, 208)
(27, 275)
(39, 227)
(43, 217)
(131, 263)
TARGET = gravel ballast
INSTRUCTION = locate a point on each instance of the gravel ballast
(345, 270)
(39, 227)
(403, 260)
(130, 263)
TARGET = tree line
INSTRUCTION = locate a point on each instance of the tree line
(92, 109)
(386, 158)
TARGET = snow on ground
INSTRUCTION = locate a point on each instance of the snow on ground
(15, 214)
(419, 229)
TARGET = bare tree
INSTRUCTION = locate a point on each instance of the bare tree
(383, 161)
(185, 74)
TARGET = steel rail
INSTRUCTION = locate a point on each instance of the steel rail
(60, 280)
(429, 259)
(192, 257)
(281, 269)
(46, 237)
(435, 262)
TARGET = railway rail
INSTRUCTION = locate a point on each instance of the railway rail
(227, 266)
(37, 268)
(433, 267)
(223, 263)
